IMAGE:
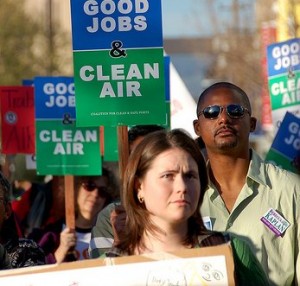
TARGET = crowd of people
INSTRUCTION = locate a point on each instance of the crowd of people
(176, 193)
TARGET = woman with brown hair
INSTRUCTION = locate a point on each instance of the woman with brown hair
(163, 188)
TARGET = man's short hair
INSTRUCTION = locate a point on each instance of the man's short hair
(142, 130)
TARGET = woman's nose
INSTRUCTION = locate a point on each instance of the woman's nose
(181, 185)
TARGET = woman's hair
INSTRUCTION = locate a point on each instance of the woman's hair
(141, 130)
(112, 191)
(5, 187)
(139, 162)
(9, 229)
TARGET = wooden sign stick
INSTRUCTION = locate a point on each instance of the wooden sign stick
(123, 149)
(70, 201)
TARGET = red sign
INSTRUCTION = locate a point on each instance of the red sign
(17, 119)
(268, 36)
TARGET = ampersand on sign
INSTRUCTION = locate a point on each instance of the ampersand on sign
(116, 50)
(67, 119)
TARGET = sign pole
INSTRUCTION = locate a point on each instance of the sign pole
(123, 150)
(70, 201)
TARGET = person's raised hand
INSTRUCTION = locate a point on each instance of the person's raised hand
(67, 242)
(118, 220)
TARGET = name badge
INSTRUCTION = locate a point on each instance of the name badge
(275, 222)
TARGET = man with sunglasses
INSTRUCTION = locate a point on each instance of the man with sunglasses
(255, 200)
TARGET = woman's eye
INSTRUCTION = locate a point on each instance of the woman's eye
(167, 176)
(191, 175)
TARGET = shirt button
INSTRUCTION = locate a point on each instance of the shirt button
(230, 224)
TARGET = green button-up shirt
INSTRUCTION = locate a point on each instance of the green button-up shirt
(267, 187)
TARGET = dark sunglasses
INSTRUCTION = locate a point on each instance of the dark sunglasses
(91, 186)
(233, 111)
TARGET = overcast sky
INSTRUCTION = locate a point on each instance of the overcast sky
(179, 18)
(185, 18)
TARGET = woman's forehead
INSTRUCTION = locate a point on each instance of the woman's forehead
(171, 157)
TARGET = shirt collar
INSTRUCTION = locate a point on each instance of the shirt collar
(256, 170)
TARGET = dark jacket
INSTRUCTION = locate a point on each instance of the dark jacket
(4, 259)
(22, 252)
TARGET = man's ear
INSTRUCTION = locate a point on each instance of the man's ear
(253, 122)
(195, 124)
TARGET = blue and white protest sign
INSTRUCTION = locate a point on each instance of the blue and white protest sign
(285, 149)
(284, 79)
(55, 97)
(283, 57)
(135, 23)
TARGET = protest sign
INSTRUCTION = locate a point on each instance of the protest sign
(201, 266)
(284, 79)
(17, 117)
(118, 62)
(61, 147)
(110, 133)
(268, 36)
(285, 149)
